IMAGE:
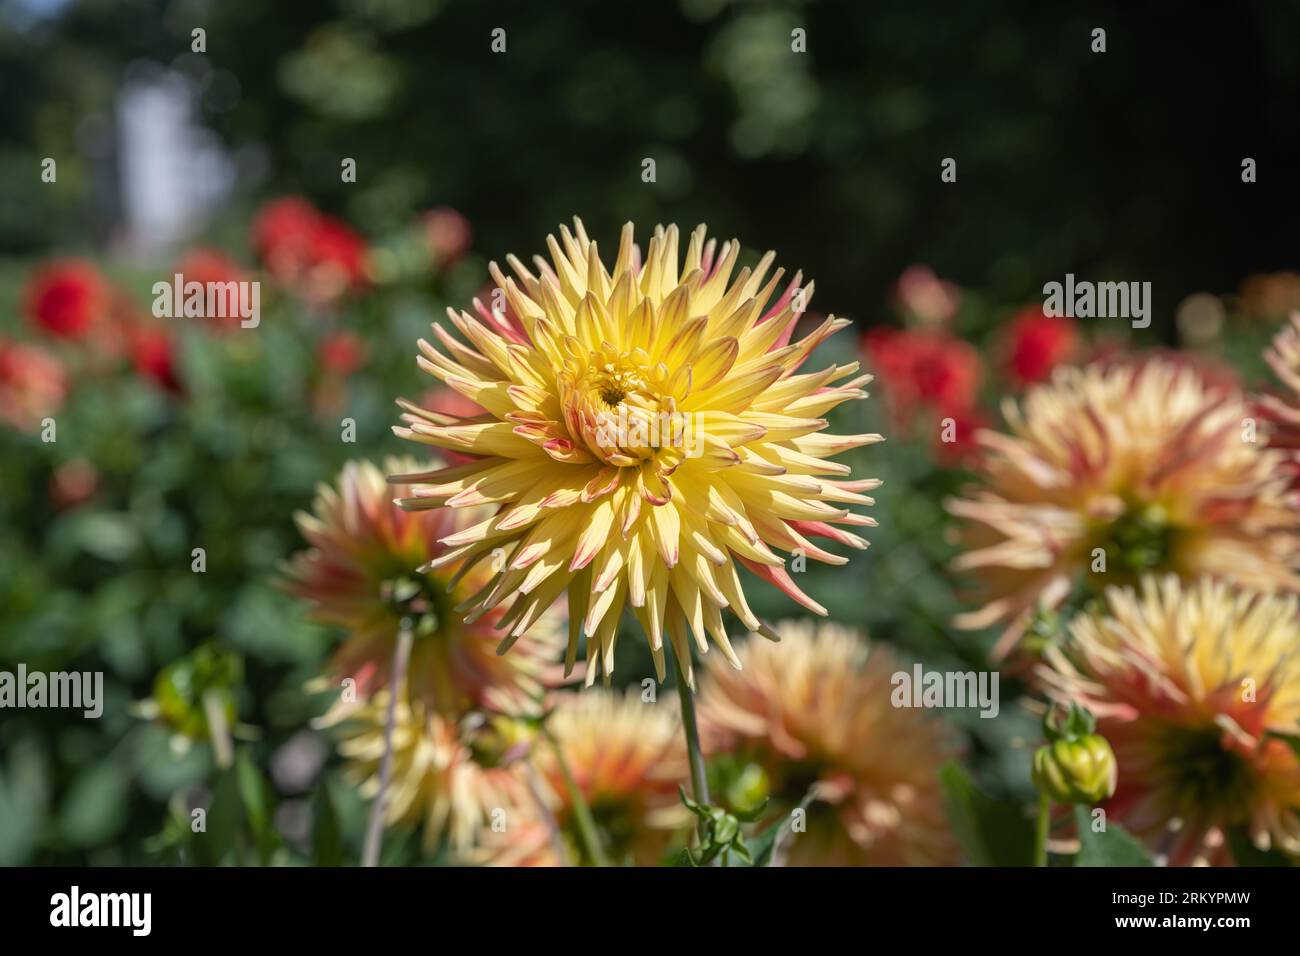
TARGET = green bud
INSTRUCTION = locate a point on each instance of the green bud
(748, 789)
(179, 689)
(1076, 770)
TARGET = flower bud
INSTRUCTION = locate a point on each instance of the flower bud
(1077, 770)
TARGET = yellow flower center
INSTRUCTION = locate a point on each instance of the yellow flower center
(620, 406)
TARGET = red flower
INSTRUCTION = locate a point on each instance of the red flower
(924, 368)
(1037, 343)
(320, 256)
(32, 384)
(67, 298)
(956, 442)
(153, 354)
(204, 265)
(342, 353)
(449, 235)
(73, 483)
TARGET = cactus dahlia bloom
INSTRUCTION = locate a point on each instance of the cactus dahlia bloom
(627, 758)
(1190, 682)
(359, 576)
(1113, 471)
(647, 430)
(1284, 415)
(446, 776)
(816, 716)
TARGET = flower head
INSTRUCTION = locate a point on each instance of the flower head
(360, 574)
(1283, 413)
(438, 781)
(1112, 471)
(153, 354)
(302, 247)
(927, 369)
(816, 715)
(926, 298)
(644, 433)
(627, 758)
(204, 266)
(33, 384)
(1189, 682)
(1036, 343)
(448, 234)
(67, 299)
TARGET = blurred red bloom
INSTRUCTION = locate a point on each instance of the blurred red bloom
(73, 482)
(449, 235)
(66, 298)
(956, 442)
(929, 375)
(204, 265)
(153, 354)
(32, 384)
(927, 368)
(320, 256)
(1037, 343)
(342, 353)
(923, 295)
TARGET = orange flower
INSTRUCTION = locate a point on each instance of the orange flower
(815, 714)
(1189, 683)
(365, 574)
(1112, 471)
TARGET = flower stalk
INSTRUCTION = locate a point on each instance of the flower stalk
(375, 824)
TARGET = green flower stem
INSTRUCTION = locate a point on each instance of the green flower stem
(218, 729)
(375, 824)
(699, 779)
(543, 808)
(1044, 825)
(581, 812)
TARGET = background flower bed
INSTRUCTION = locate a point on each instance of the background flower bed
(202, 437)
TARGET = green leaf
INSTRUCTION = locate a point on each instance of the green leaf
(992, 832)
(257, 800)
(221, 821)
(95, 808)
(1113, 846)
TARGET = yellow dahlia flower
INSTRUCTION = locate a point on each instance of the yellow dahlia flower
(1186, 681)
(646, 430)
(447, 776)
(816, 715)
(359, 575)
(627, 759)
(1126, 469)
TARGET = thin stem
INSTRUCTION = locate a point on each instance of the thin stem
(581, 812)
(218, 729)
(1040, 833)
(375, 824)
(699, 779)
(543, 808)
